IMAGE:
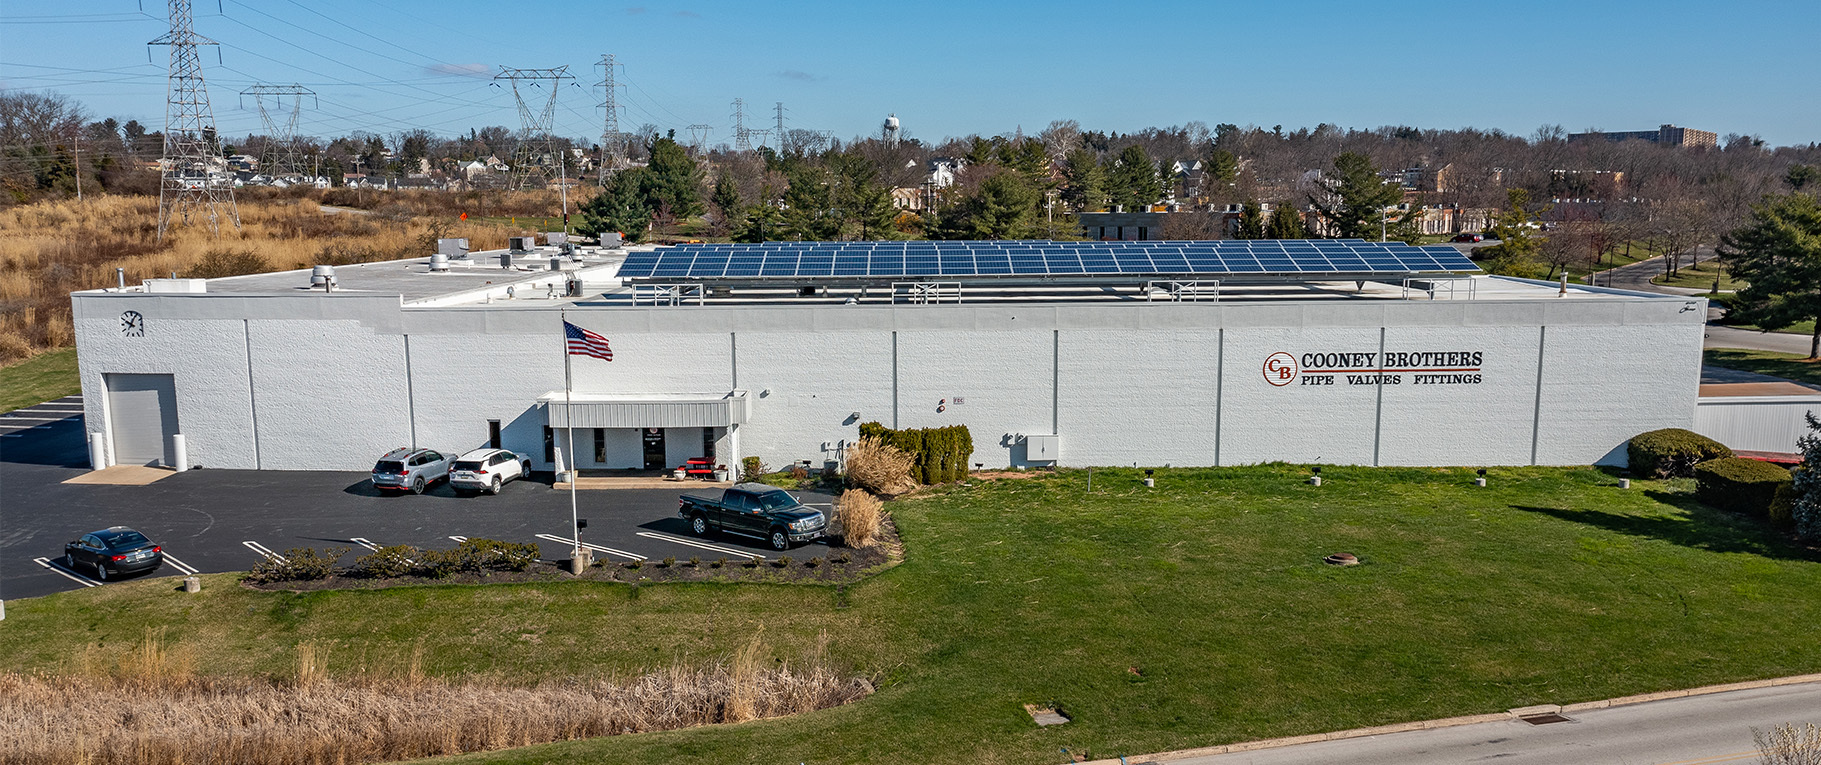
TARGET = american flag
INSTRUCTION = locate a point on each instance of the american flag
(586, 343)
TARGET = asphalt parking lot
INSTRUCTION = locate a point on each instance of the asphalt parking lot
(223, 520)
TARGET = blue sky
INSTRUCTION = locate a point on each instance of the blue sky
(953, 68)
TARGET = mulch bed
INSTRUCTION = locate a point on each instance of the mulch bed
(837, 565)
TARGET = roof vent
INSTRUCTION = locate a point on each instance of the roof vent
(439, 263)
(322, 276)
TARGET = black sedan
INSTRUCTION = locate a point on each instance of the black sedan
(114, 550)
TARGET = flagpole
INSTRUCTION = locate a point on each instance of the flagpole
(569, 429)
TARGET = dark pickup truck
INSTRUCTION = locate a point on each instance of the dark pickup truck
(754, 510)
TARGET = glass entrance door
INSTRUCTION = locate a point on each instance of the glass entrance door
(654, 448)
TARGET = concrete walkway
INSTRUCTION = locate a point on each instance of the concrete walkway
(1705, 726)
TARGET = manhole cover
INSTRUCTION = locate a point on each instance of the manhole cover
(1545, 718)
(1342, 559)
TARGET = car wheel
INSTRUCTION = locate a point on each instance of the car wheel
(417, 486)
(699, 525)
(100, 571)
(779, 541)
(525, 471)
(496, 485)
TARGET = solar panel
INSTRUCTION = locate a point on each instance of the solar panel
(920, 259)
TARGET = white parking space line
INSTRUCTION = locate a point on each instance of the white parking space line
(263, 550)
(594, 547)
(459, 539)
(5, 417)
(364, 542)
(66, 573)
(701, 545)
(187, 569)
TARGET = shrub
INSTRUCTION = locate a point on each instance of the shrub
(798, 473)
(695, 561)
(754, 561)
(783, 561)
(219, 263)
(859, 513)
(388, 562)
(1782, 504)
(1740, 485)
(1805, 491)
(634, 564)
(300, 564)
(813, 562)
(669, 562)
(879, 467)
(1671, 452)
(480, 556)
(720, 562)
(751, 468)
(941, 454)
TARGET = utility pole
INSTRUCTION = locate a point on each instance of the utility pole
(79, 163)
(612, 140)
(538, 126)
(279, 157)
(742, 138)
(187, 165)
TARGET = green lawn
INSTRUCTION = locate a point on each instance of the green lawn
(1793, 366)
(1195, 613)
(38, 379)
(1699, 276)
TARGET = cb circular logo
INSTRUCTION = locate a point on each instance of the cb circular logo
(1280, 369)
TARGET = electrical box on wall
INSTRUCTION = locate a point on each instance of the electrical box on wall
(1042, 448)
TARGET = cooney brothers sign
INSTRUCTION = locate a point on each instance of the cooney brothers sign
(1417, 368)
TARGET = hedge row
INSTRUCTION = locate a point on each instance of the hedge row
(941, 453)
(475, 556)
(1671, 452)
(1744, 486)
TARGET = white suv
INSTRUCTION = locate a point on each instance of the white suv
(487, 470)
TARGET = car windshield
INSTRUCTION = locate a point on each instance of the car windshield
(468, 465)
(389, 466)
(776, 500)
(124, 539)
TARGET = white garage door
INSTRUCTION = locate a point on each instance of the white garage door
(142, 415)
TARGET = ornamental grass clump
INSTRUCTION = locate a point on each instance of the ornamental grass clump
(860, 513)
(879, 467)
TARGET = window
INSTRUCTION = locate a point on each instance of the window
(600, 445)
(549, 444)
(708, 445)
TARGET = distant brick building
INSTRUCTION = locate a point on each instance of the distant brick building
(1668, 135)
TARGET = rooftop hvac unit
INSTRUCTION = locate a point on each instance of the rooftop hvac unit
(506, 260)
(193, 286)
(612, 239)
(521, 244)
(556, 237)
(454, 248)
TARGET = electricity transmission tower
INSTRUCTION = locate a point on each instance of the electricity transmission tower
(539, 127)
(698, 135)
(783, 137)
(188, 174)
(280, 158)
(742, 136)
(613, 142)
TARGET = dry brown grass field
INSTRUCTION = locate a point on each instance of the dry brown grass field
(147, 706)
(50, 249)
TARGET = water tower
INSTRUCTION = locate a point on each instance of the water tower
(890, 132)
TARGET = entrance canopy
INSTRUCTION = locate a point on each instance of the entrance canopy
(687, 410)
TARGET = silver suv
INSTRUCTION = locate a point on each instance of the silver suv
(487, 470)
(410, 470)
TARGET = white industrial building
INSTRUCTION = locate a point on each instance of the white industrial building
(273, 371)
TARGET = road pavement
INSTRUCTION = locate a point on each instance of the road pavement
(1637, 276)
(1694, 730)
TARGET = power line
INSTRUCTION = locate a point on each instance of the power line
(189, 176)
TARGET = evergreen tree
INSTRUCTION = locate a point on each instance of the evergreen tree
(1083, 180)
(1514, 227)
(726, 198)
(1221, 167)
(1778, 255)
(1285, 223)
(1133, 179)
(620, 207)
(675, 180)
(809, 213)
(1166, 179)
(762, 220)
(1355, 198)
(1004, 207)
(1251, 220)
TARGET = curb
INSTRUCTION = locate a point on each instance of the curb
(1451, 722)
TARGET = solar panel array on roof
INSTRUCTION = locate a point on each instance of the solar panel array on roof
(875, 260)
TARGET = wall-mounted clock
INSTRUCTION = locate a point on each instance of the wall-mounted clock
(132, 324)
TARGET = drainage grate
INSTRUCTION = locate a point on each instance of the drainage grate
(1545, 718)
